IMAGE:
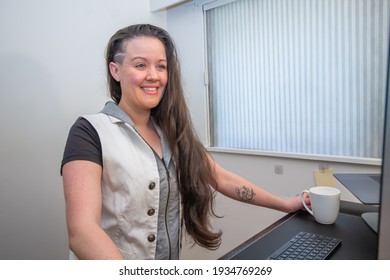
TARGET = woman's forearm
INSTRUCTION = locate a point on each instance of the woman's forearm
(92, 243)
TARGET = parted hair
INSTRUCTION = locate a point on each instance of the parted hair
(195, 175)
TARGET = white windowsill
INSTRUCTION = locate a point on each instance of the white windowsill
(324, 158)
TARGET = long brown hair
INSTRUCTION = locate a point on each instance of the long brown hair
(195, 175)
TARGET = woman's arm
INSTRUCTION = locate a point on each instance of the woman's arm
(83, 199)
(238, 188)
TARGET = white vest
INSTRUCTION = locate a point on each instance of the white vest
(130, 187)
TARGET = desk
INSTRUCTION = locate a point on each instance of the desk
(359, 241)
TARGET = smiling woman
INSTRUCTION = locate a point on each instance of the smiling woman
(135, 173)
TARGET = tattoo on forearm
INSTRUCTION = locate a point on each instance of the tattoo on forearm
(246, 194)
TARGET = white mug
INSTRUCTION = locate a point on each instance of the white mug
(325, 203)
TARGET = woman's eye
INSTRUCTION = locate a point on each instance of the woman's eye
(162, 67)
(140, 66)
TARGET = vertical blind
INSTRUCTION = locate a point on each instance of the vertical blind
(299, 76)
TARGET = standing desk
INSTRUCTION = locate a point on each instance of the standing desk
(359, 241)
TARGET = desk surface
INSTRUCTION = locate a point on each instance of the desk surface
(359, 241)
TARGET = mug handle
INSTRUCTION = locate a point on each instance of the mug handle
(303, 201)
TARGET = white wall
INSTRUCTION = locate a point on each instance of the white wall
(52, 70)
(240, 221)
(157, 5)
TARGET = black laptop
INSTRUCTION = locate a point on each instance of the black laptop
(366, 187)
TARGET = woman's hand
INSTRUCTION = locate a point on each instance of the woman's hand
(295, 203)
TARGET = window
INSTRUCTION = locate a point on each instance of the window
(298, 76)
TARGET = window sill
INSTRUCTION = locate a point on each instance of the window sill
(313, 157)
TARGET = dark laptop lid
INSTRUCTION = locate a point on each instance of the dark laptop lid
(366, 187)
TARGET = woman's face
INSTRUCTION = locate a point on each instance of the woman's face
(142, 74)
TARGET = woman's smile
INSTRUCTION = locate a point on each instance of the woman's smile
(150, 90)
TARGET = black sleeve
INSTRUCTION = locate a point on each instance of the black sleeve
(83, 143)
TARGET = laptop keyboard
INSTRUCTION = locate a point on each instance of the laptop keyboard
(307, 246)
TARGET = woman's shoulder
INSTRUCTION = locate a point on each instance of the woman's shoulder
(83, 143)
(82, 126)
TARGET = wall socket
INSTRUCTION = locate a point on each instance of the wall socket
(278, 169)
(323, 166)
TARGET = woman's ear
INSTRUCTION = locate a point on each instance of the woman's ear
(114, 70)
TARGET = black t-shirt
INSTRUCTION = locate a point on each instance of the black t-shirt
(83, 143)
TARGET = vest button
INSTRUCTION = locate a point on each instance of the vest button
(151, 237)
(151, 212)
(152, 185)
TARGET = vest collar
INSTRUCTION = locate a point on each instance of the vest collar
(116, 115)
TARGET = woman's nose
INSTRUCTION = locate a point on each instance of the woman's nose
(152, 74)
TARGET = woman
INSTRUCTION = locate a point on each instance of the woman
(135, 175)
